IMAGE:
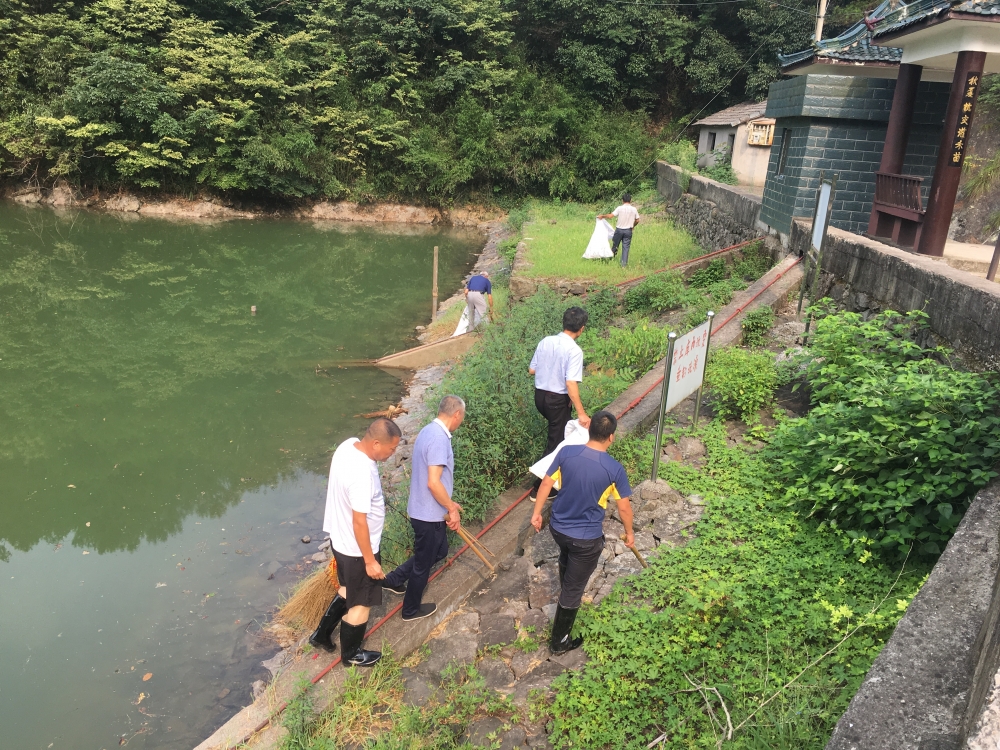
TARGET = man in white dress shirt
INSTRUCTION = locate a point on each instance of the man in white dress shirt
(558, 369)
(627, 217)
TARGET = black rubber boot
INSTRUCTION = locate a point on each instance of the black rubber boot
(351, 652)
(562, 626)
(321, 638)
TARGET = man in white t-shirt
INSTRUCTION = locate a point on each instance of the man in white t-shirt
(627, 217)
(355, 515)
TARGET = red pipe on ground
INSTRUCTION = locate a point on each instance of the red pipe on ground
(737, 246)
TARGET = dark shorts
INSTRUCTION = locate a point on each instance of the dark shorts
(362, 591)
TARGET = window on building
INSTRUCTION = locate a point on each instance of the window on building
(786, 141)
(760, 133)
(732, 142)
(711, 141)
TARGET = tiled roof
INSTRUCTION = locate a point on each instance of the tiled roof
(907, 15)
(735, 115)
(854, 45)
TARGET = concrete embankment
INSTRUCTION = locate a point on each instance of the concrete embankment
(64, 196)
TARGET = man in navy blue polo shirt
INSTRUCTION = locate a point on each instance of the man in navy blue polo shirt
(588, 478)
(478, 286)
(431, 486)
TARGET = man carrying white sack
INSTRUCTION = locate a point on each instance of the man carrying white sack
(627, 218)
(590, 478)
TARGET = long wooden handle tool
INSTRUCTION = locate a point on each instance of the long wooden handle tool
(635, 552)
(472, 545)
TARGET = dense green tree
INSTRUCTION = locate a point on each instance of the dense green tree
(434, 100)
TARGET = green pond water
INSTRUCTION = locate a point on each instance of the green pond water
(162, 450)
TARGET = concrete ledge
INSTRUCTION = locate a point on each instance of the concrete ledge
(926, 688)
(964, 309)
(429, 354)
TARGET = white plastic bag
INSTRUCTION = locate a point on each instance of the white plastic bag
(599, 245)
(463, 323)
(575, 434)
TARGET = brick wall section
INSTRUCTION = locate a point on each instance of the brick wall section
(837, 124)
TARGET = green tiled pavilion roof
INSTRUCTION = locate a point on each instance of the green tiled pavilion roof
(854, 45)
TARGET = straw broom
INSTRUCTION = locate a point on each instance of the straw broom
(309, 603)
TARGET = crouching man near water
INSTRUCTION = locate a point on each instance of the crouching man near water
(589, 477)
(430, 508)
(355, 515)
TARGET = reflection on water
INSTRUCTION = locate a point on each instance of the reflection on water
(155, 432)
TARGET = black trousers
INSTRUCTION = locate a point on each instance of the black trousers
(624, 236)
(430, 546)
(578, 560)
(557, 409)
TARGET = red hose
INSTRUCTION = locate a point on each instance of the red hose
(385, 619)
(741, 308)
(737, 246)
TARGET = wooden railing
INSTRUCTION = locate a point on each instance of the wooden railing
(900, 190)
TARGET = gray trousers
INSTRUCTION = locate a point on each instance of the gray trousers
(476, 302)
(623, 236)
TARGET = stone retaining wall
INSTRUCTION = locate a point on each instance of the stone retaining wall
(716, 215)
(964, 309)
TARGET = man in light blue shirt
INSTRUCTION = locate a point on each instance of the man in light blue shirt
(558, 369)
(431, 484)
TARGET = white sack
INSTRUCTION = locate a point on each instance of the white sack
(575, 435)
(599, 245)
(463, 323)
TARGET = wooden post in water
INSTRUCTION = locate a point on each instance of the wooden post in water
(434, 287)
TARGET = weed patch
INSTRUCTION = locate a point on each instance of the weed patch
(741, 382)
(897, 441)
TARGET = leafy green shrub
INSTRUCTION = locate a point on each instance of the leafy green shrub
(636, 348)
(710, 274)
(897, 442)
(722, 171)
(602, 387)
(697, 310)
(755, 326)
(756, 261)
(721, 293)
(508, 249)
(658, 292)
(742, 382)
(601, 307)
(683, 154)
(502, 434)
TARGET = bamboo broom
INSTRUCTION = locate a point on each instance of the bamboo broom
(309, 603)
